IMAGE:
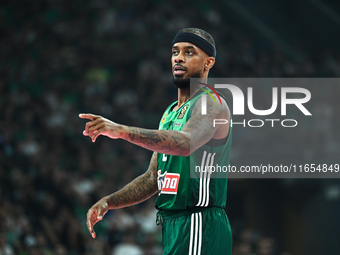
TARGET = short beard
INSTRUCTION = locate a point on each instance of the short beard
(181, 83)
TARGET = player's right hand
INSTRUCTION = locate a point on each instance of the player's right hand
(95, 214)
(99, 125)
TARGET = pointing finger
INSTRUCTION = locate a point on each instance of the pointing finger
(88, 116)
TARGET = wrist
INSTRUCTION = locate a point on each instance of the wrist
(108, 201)
(123, 132)
(116, 131)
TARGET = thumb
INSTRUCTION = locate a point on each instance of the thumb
(100, 213)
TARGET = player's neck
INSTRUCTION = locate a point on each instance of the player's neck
(184, 94)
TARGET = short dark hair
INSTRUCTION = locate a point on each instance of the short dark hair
(201, 33)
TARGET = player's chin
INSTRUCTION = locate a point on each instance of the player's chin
(181, 76)
(178, 77)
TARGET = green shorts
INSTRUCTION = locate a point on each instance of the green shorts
(203, 231)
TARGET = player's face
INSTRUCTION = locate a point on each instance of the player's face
(187, 61)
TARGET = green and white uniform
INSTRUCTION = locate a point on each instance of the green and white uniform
(191, 206)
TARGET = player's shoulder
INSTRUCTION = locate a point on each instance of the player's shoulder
(211, 104)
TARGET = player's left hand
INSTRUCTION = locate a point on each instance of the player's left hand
(100, 126)
(95, 214)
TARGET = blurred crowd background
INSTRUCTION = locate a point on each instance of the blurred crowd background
(61, 58)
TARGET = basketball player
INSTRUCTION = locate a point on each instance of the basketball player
(190, 209)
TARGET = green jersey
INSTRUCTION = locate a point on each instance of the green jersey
(178, 189)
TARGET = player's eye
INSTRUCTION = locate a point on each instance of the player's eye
(190, 52)
(175, 52)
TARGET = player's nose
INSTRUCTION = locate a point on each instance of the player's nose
(179, 58)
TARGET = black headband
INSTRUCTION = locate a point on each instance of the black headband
(197, 40)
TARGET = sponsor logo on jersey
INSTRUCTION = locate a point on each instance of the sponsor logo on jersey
(167, 183)
(177, 124)
(183, 111)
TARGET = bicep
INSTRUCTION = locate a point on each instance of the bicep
(201, 128)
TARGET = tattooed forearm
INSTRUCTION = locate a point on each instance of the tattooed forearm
(137, 191)
(198, 130)
(163, 141)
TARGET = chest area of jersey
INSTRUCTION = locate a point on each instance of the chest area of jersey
(175, 120)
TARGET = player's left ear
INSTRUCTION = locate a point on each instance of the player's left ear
(209, 63)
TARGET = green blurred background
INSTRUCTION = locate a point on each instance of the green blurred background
(60, 58)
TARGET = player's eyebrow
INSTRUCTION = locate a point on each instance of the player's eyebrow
(186, 47)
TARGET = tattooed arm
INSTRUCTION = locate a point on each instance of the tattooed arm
(195, 133)
(137, 191)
